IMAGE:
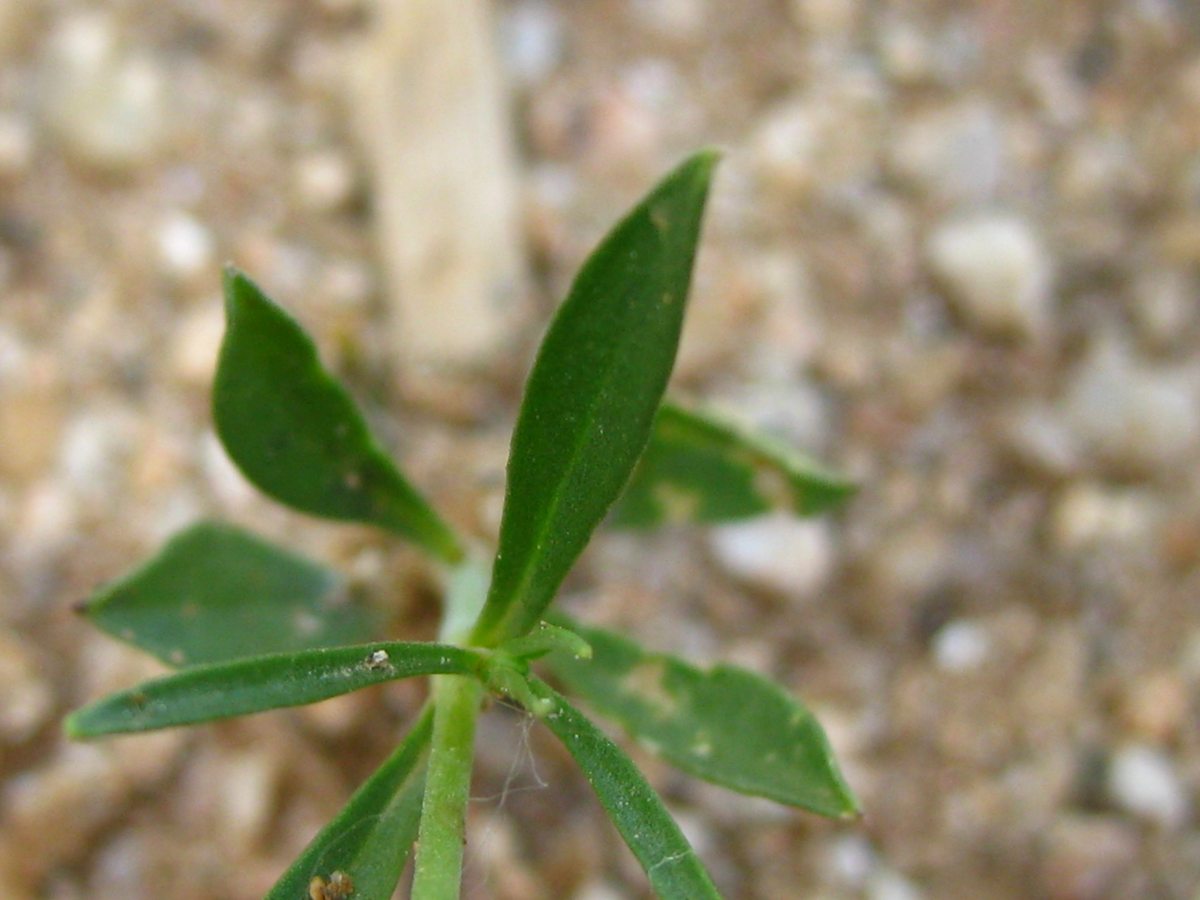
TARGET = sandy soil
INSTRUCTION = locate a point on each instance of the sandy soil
(954, 249)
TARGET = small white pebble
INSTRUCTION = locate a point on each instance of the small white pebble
(325, 180)
(244, 799)
(786, 145)
(904, 52)
(348, 283)
(26, 700)
(1129, 412)
(954, 153)
(1039, 435)
(531, 40)
(1090, 513)
(49, 514)
(16, 145)
(185, 247)
(777, 552)
(961, 646)
(108, 103)
(1165, 306)
(597, 890)
(1142, 781)
(852, 860)
(888, 884)
(95, 447)
(14, 354)
(196, 345)
(997, 270)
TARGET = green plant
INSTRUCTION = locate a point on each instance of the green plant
(251, 627)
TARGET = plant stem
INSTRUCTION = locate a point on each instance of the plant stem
(438, 867)
(442, 834)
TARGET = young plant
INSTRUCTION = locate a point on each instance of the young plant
(252, 627)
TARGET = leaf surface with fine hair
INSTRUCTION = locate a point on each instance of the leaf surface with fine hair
(591, 397)
(244, 686)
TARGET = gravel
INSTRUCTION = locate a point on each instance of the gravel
(1143, 781)
(997, 271)
(953, 248)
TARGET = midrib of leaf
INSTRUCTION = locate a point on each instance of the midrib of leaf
(651, 266)
(521, 589)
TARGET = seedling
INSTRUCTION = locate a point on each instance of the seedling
(251, 627)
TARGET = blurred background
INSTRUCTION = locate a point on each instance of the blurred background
(953, 249)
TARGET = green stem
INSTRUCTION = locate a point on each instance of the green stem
(438, 868)
(440, 840)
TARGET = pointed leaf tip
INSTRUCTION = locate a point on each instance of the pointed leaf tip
(215, 593)
(295, 432)
(591, 397)
(726, 725)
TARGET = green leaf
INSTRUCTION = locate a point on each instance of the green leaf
(223, 690)
(698, 468)
(726, 725)
(370, 838)
(648, 829)
(545, 638)
(295, 432)
(216, 593)
(591, 397)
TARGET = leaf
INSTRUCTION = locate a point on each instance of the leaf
(223, 690)
(295, 432)
(726, 725)
(666, 856)
(700, 469)
(216, 593)
(370, 839)
(590, 401)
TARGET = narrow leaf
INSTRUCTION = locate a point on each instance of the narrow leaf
(223, 690)
(216, 593)
(294, 431)
(369, 840)
(674, 870)
(726, 725)
(590, 401)
(698, 468)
